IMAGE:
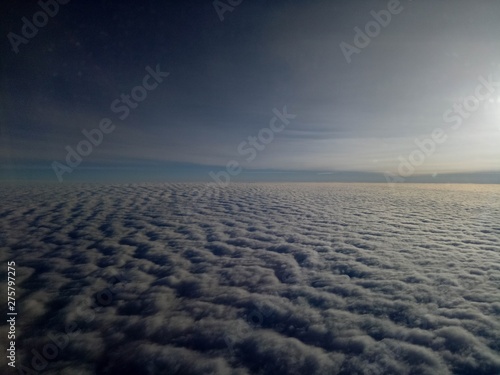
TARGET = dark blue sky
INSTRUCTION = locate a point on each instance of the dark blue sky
(360, 116)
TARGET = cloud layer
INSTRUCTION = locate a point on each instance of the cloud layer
(256, 278)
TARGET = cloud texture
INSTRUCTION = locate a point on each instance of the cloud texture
(256, 278)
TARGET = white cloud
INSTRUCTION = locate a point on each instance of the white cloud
(262, 278)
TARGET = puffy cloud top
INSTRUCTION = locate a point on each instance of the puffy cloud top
(255, 278)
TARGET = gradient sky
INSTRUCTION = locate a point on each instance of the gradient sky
(226, 77)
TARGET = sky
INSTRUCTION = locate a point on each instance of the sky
(326, 90)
